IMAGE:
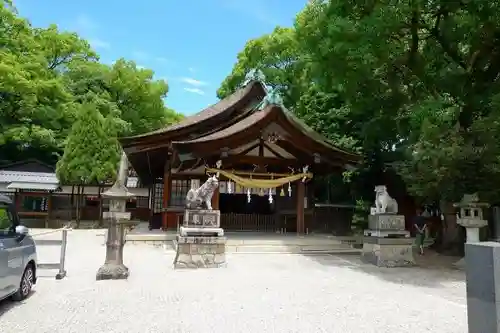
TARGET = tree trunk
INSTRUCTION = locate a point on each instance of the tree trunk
(100, 206)
(78, 198)
(452, 236)
(72, 203)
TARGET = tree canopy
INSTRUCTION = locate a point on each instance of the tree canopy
(49, 80)
(412, 85)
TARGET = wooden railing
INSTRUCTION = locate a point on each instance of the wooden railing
(248, 222)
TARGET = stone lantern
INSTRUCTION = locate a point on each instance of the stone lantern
(471, 216)
(118, 194)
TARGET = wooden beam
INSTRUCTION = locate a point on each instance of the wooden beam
(261, 147)
(273, 151)
(245, 159)
(247, 150)
(306, 157)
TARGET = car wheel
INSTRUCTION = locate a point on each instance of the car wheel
(25, 285)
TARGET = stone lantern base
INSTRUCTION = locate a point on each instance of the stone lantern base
(112, 272)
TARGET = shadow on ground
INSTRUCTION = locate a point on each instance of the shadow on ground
(432, 270)
(8, 304)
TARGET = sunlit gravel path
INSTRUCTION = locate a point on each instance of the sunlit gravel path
(255, 293)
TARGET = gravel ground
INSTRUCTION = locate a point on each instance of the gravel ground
(255, 293)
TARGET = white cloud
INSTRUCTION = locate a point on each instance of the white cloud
(191, 70)
(193, 82)
(99, 44)
(195, 91)
(140, 67)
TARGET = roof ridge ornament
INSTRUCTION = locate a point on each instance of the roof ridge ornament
(273, 97)
(254, 74)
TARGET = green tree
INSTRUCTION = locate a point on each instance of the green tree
(91, 152)
(424, 75)
(45, 77)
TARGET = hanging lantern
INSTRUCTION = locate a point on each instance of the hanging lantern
(261, 192)
(249, 196)
(289, 189)
(229, 187)
(282, 192)
(270, 196)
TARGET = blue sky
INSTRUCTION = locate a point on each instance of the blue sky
(192, 44)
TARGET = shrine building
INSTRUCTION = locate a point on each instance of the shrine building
(266, 158)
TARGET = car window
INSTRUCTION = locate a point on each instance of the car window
(7, 227)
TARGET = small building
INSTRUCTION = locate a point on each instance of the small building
(39, 197)
(247, 136)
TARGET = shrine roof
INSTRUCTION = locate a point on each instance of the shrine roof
(231, 103)
(259, 119)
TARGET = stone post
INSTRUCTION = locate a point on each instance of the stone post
(113, 267)
(482, 265)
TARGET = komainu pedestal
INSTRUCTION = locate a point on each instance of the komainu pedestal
(388, 252)
(200, 252)
(386, 242)
(201, 242)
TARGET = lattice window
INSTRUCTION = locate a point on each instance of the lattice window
(180, 188)
(158, 197)
(142, 202)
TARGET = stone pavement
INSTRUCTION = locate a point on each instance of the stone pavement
(254, 293)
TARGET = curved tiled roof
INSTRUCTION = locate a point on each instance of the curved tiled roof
(207, 113)
(242, 125)
(257, 116)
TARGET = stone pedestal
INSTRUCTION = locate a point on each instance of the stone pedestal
(483, 281)
(472, 226)
(200, 242)
(388, 252)
(200, 252)
(387, 223)
(386, 242)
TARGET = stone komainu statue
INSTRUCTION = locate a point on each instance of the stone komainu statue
(383, 201)
(202, 196)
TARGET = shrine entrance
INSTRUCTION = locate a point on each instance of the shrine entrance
(265, 156)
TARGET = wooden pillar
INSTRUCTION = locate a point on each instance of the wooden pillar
(166, 194)
(301, 191)
(215, 199)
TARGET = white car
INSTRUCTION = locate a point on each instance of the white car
(18, 259)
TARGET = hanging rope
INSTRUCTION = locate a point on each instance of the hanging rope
(260, 183)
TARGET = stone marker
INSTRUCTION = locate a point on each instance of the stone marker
(386, 242)
(482, 267)
(201, 242)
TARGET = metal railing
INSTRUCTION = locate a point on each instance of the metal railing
(60, 266)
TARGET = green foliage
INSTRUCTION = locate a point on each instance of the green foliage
(359, 221)
(91, 152)
(412, 85)
(48, 77)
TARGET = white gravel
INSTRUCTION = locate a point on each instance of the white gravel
(255, 293)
